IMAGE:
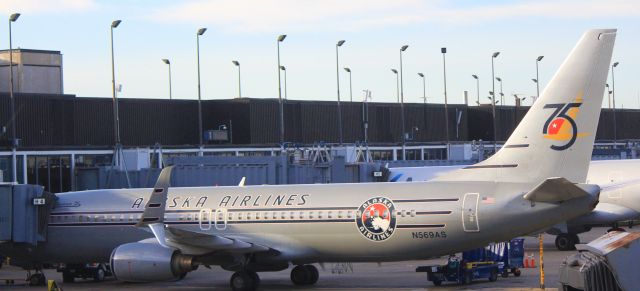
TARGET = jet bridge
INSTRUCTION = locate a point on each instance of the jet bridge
(610, 263)
(24, 213)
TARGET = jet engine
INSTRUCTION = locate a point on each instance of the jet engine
(149, 262)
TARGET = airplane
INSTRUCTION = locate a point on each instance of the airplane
(619, 203)
(537, 180)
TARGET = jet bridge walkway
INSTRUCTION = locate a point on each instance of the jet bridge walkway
(24, 213)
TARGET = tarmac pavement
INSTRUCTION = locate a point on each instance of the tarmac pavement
(356, 276)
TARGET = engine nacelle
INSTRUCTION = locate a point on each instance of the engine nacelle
(149, 262)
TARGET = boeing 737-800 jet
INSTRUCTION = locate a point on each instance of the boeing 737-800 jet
(535, 181)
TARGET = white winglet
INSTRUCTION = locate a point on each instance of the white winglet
(241, 184)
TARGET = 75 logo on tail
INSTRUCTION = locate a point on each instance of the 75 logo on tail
(561, 125)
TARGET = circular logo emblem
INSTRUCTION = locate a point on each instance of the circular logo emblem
(375, 218)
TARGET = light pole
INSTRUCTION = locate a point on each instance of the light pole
(338, 45)
(397, 84)
(613, 98)
(116, 118)
(404, 134)
(166, 61)
(284, 69)
(493, 103)
(446, 102)
(281, 107)
(239, 82)
(501, 94)
(538, 59)
(424, 88)
(365, 120)
(199, 33)
(477, 88)
(424, 98)
(14, 142)
(609, 92)
(350, 84)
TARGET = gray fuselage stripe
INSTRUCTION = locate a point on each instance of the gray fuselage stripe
(198, 210)
(490, 167)
(426, 200)
(421, 226)
(511, 146)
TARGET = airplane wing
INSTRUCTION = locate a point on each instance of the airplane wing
(557, 190)
(189, 242)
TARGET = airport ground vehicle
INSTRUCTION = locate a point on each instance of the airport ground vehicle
(487, 262)
(460, 271)
(96, 271)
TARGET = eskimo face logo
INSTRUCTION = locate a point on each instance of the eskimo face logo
(561, 124)
(375, 218)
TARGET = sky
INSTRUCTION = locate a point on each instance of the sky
(374, 30)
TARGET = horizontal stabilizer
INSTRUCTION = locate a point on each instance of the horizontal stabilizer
(556, 190)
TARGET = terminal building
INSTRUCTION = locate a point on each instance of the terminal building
(65, 142)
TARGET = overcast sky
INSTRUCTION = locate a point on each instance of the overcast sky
(374, 31)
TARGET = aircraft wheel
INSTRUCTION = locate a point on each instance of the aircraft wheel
(99, 275)
(244, 281)
(575, 238)
(37, 279)
(68, 276)
(494, 275)
(505, 273)
(565, 242)
(517, 272)
(437, 282)
(468, 277)
(255, 278)
(300, 275)
(314, 274)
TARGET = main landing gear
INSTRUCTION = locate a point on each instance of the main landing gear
(304, 275)
(37, 278)
(245, 281)
(567, 242)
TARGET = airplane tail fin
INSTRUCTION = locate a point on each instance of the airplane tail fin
(555, 138)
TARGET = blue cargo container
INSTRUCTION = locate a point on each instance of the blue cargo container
(508, 255)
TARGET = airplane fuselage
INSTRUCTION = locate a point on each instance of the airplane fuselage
(307, 223)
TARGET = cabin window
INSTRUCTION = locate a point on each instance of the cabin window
(301, 214)
(413, 213)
